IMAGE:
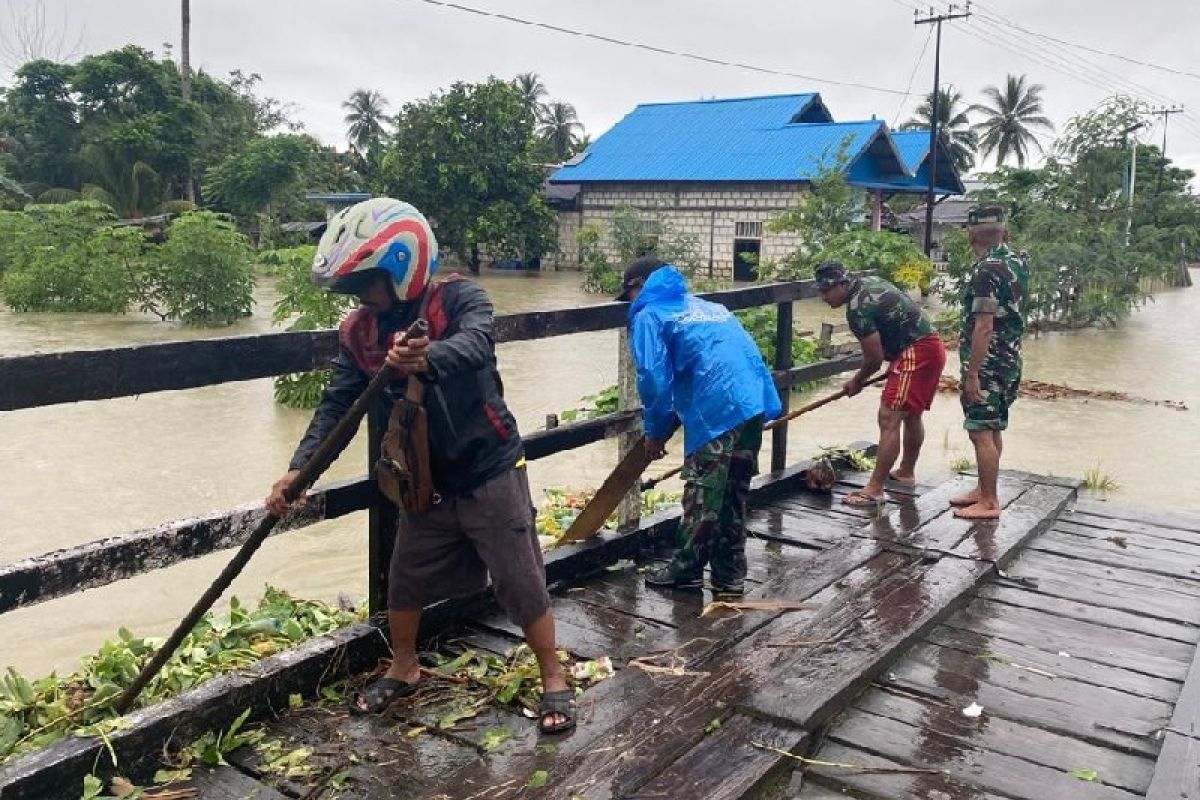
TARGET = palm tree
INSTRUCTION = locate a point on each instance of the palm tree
(557, 129)
(532, 90)
(365, 120)
(1009, 118)
(131, 187)
(953, 124)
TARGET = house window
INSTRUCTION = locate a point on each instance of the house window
(748, 230)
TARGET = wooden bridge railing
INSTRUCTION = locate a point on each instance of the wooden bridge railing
(47, 379)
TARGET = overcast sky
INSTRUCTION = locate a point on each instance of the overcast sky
(313, 54)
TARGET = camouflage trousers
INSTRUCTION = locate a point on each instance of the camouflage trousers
(999, 386)
(717, 486)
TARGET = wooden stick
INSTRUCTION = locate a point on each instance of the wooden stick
(316, 464)
(775, 423)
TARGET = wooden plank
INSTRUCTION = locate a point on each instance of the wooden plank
(1098, 615)
(966, 761)
(1130, 540)
(875, 782)
(935, 667)
(1131, 577)
(997, 735)
(1132, 651)
(1146, 601)
(227, 783)
(726, 765)
(1098, 523)
(1177, 773)
(1024, 521)
(946, 531)
(1159, 519)
(49, 378)
(1110, 555)
(1022, 657)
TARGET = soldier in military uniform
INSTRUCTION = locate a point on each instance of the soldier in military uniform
(992, 325)
(889, 326)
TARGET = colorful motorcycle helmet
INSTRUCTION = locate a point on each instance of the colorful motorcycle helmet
(383, 234)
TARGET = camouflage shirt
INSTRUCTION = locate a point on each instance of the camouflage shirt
(876, 306)
(999, 285)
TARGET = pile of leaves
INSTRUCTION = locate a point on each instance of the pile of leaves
(562, 506)
(855, 459)
(34, 714)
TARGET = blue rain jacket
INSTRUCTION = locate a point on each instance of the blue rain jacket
(695, 360)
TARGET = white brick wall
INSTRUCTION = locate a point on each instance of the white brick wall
(709, 212)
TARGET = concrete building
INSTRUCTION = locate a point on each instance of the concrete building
(718, 170)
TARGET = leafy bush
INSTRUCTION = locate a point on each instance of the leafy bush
(302, 306)
(632, 235)
(67, 257)
(202, 274)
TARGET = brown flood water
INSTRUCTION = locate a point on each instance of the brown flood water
(71, 474)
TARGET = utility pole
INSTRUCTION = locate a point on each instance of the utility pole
(1130, 180)
(935, 19)
(1165, 113)
(185, 88)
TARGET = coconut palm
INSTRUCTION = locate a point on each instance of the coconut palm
(365, 119)
(1009, 118)
(532, 90)
(557, 128)
(131, 187)
(953, 124)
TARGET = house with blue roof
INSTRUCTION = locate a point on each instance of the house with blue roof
(719, 169)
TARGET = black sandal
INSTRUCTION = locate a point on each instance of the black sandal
(561, 702)
(379, 695)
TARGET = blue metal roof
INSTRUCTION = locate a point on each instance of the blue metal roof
(913, 147)
(748, 139)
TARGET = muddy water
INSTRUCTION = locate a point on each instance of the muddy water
(71, 474)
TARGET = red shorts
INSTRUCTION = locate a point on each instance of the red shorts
(913, 376)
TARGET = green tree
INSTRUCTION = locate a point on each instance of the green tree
(201, 275)
(466, 158)
(302, 306)
(632, 234)
(954, 126)
(365, 118)
(557, 127)
(533, 91)
(1009, 120)
(826, 208)
(67, 258)
(130, 189)
(247, 181)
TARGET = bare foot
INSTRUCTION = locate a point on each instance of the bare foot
(980, 510)
(903, 478)
(963, 500)
(407, 671)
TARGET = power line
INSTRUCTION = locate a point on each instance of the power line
(654, 48)
(912, 76)
(1094, 50)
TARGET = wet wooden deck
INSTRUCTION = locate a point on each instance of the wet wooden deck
(1071, 625)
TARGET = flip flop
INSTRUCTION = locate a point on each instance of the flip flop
(379, 695)
(860, 500)
(561, 702)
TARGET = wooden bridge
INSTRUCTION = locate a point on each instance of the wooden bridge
(1049, 655)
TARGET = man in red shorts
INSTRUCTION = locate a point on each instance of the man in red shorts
(888, 325)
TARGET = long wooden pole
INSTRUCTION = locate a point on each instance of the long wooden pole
(317, 463)
(775, 423)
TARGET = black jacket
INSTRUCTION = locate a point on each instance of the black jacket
(473, 436)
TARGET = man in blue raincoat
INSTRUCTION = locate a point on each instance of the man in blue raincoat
(696, 362)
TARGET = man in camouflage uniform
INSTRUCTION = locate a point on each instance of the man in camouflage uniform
(697, 365)
(992, 325)
(888, 325)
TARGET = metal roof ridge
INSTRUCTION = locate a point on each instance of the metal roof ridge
(714, 100)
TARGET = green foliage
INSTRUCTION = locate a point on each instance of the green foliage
(33, 714)
(247, 181)
(593, 405)
(67, 258)
(1071, 216)
(630, 236)
(1097, 480)
(202, 274)
(760, 323)
(466, 158)
(302, 306)
(892, 256)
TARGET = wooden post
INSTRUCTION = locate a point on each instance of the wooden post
(783, 361)
(630, 509)
(383, 518)
(877, 210)
(551, 421)
(825, 345)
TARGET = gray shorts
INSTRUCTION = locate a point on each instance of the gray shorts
(450, 550)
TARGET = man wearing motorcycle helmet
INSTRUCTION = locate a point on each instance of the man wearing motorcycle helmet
(482, 519)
